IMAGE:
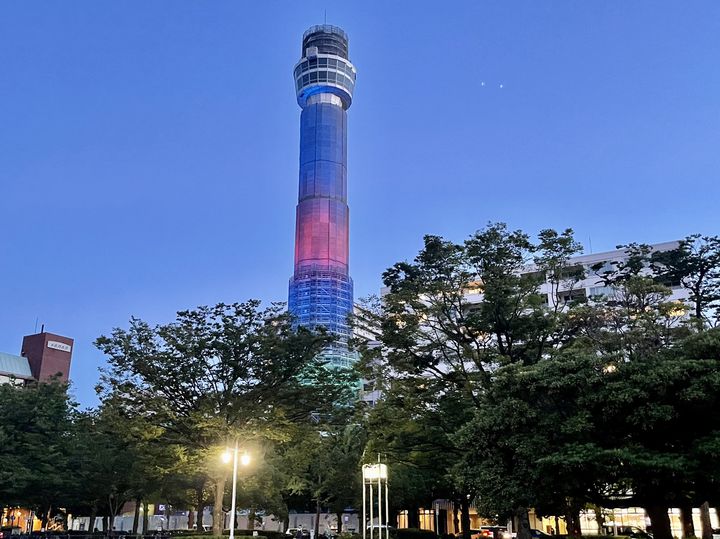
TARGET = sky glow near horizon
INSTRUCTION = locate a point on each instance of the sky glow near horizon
(149, 149)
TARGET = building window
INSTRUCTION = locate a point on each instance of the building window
(427, 519)
(602, 291)
(568, 296)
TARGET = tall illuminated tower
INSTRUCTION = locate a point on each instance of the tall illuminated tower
(321, 290)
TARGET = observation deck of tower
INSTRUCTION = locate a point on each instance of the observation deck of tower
(321, 290)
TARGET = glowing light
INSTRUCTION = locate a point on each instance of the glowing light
(226, 456)
(245, 459)
(374, 472)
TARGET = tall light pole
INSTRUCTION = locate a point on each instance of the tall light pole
(244, 460)
(375, 475)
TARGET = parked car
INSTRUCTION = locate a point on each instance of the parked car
(631, 531)
(377, 529)
(539, 534)
(490, 532)
(293, 532)
(7, 531)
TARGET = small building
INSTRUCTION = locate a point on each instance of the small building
(49, 355)
(43, 356)
(14, 370)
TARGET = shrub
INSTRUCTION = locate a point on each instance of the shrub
(413, 533)
(224, 536)
(239, 534)
(268, 534)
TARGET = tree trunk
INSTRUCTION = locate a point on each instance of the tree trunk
(218, 515)
(91, 524)
(523, 531)
(200, 507)
(339, 516)
(465, 517)
(145, 517)
(413, 519)
(660, 521)
(136, 516)
(317, 517)
(557, 526)
(106, 525)
(251, 518)
(705, 521)
(569, 524)
(392, 517)
(46, 519)
(572, 520)
(600, 519)
(686, 519)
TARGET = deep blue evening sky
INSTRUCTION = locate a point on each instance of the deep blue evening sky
(148, 149)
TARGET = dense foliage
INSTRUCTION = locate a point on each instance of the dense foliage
(516, 390)
(173, 397)
(502, 384)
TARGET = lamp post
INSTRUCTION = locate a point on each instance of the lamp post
(244, 460)
(376, 476)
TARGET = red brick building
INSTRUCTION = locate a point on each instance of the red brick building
(43, 356)
(49, 355)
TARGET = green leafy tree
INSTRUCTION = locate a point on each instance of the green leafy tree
(412, 428)
(35, 442)
(615, 416)
(118, 456)
(695, 265)
(344, 483)
(459, 311)
(322, 463)
(218, 374)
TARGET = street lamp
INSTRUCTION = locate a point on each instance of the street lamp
(375, 475)
(244, 460)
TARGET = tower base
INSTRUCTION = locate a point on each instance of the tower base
(324, 298)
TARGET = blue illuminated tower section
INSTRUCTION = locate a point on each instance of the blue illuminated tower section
(321, 290)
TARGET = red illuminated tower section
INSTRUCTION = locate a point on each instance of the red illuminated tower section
(49, 356)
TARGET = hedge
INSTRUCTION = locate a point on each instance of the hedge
(185, 534)
(224, 536)
(413, 533)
